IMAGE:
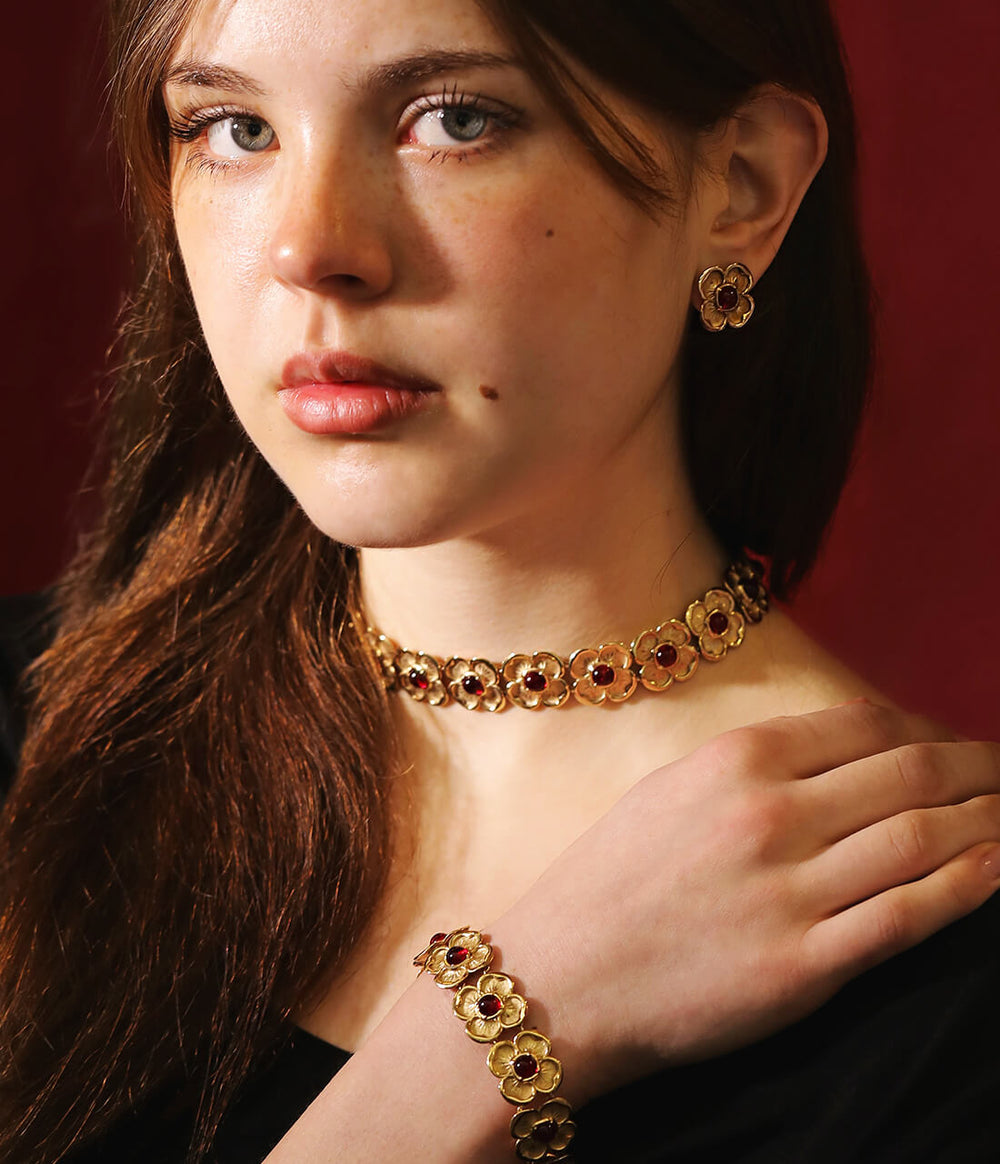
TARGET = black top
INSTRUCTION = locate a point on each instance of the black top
(902, 1066)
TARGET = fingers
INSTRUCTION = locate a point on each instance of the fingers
(916, 775)
(818, 741)
(874, 930)
(903, 848)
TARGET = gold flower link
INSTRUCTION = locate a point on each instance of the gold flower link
(716, 624)
(502, 1009)
(462, 953)
(420, 677)
(544, 1133)
(604, 674)
(725, 298)
(383, 651)
(537, 680)
(744, 580)
(475, 684)
(665, 654)
(524, 1067)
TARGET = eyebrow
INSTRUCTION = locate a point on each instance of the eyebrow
(391, 75)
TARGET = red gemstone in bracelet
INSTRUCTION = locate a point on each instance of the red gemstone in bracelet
(545, 1131)
(456, 955)
(489, 1006)
(525, 1066)
(718, 623)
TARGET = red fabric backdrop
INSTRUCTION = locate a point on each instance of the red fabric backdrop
(916, 538)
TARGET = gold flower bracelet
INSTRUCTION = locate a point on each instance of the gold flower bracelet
(608, 674)
(490, 1008)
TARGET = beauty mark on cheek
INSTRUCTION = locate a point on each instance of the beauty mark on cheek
(488, 392)
(549, 233)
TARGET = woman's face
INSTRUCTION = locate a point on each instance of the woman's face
(384, 184)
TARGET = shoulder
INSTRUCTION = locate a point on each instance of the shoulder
(898, 1068)
(26, 626)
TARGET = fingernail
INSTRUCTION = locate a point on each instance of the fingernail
(991, 863)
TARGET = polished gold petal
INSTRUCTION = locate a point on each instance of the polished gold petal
(436, 694)
(551, 666)
(644, 647)
(492, 699)
(686, 665)
(741, 312)
(710, 281)
(581, 661)
(456, 669)
(675, 633)
(436, 959)
(532, 1043)
(501, 1058)
(654, 677)
(615, 654)
(556, 694)
(528, 1149)
(624, 685)
(586, 691)
(465, 1003)
(523, 1124)
(451, 975)
(549, 1075)
(734, 633)
(517, 1090)
(712, 649)
(563, 1137)
(712, 317)
(485, 672)
(697, 618)
(481, 956)
(720, 600)
(484, 1030)
(514, 667)
(494, 983)
(518, 694)
(739, 276)
(513, 1011)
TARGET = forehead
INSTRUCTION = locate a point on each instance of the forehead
(338, 35)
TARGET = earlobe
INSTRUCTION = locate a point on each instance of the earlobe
(776, 144)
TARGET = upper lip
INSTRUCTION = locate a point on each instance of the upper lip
(346, 368)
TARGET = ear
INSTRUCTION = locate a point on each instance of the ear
(763, 162)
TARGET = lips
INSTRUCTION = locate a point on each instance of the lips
(327, 393)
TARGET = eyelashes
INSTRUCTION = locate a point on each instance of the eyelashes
(450, 125)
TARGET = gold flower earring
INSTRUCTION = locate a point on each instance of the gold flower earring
(725, 298)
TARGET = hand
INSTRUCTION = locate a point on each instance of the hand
(735, 890)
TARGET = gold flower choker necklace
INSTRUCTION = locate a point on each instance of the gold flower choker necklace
(608, 674)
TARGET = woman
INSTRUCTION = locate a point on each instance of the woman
(448, 330)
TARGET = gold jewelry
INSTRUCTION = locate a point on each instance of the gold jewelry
(608, 674)
(725, 298)
(491, 1008)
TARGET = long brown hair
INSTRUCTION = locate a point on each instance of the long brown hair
(199, 831)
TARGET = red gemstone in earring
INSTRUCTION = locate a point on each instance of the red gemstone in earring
(727, 297)
(603, 675)
(535, 681)
(718, 623)
(666, 655)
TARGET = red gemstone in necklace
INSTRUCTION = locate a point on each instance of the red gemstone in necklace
(603, 675)
(419, 679)
(718, 623)
(438, 938)
(472, 685)
(489, 1006)
(727, 297)
(525, 1066)
(535, 681)
(456, 955)
(666, 655)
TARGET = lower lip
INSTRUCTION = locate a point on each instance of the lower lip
(350, 408)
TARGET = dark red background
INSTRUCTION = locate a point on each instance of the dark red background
(903, 589)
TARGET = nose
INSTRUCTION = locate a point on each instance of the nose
(332, 221)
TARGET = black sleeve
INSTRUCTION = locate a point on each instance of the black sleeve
(25, 631)
(900, 1067)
